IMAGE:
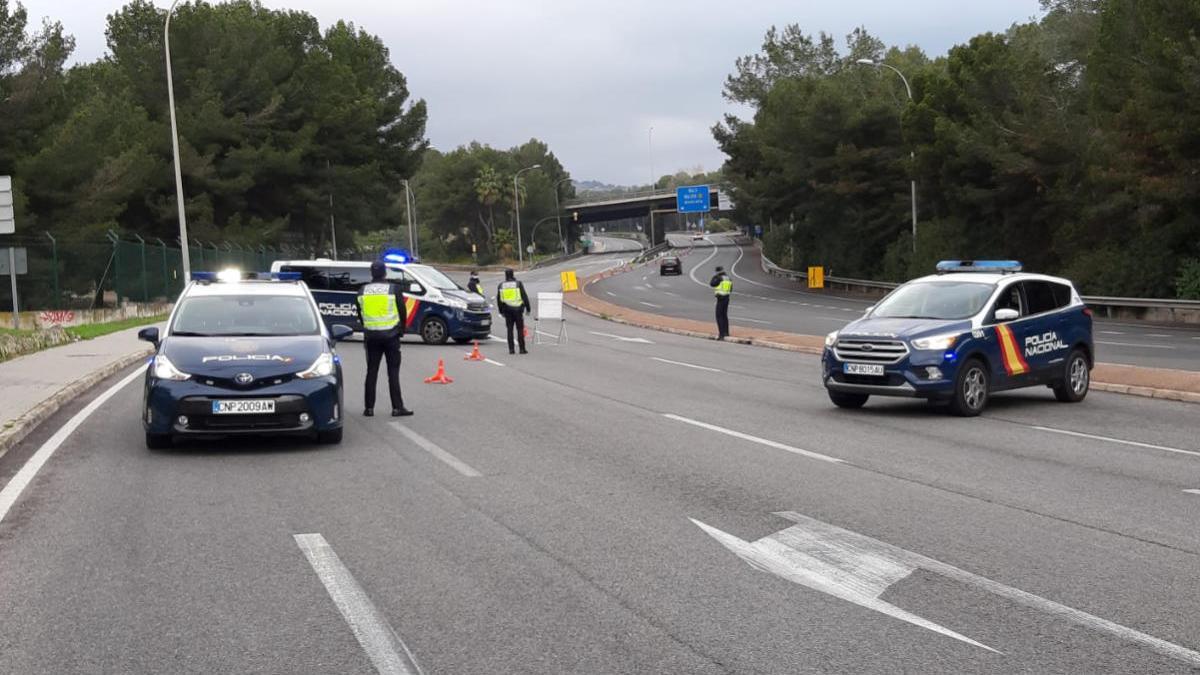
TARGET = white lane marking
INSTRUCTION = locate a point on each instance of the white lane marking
(649, 304)
(386, 650)
(700, 264)
(435, 450)
(733, 269)
(497, 339)
(542, 332)
(743, 318)
(687, 365)
(1131, 344)
(18, 483)
(493, 362)
(1112, 332)
(1107, 439)
(1192, 492)
(835, 563)
(622, 338)
(1157, 335)
(755, 439)
(670, 293)
(611, 293)
(812, 537)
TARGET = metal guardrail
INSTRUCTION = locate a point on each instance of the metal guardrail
(1169, 305)
(651, 253)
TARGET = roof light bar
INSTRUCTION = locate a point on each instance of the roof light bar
(990, 266)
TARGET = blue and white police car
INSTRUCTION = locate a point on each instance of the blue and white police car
(242, 355)
(974, 328)
(435, 307)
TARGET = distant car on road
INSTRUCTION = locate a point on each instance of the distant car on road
(242, 356)
(670, 265)
(697, 237)
(974, 328)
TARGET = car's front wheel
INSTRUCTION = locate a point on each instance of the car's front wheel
(1076, 381)
(971, 388)
(844, 400)
(434, 331)
(158, 441)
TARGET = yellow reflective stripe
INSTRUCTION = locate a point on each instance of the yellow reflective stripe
(379, 311)
(511, 295)
(725, 287)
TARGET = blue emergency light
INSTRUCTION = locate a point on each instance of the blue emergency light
(210, 277)
(991, 266)
(398, 256)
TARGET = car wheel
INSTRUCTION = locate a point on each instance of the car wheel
(330, 437)
(158, 441)
(434, 331)
(971, 388)
(1077, 379)
(844, 400)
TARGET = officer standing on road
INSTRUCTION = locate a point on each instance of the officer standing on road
(379, 306)
(511, 298)
(722, 286)
(473, 284)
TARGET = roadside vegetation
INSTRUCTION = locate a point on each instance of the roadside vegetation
(14, 343)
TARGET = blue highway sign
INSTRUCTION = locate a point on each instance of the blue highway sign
(692, 199)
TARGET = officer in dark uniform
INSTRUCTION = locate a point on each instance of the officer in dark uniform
(722, 287)
(473, 284)
(381, 308)
(511, 299)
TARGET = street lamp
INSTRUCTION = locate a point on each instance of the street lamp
(409, 200)
(183, 238)
(650, 144)
(558, 213)
(533, 232)
(911, 154)
(517, 209)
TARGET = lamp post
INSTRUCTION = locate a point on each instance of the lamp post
(517, 210)
(650, 145)
(408, 199)
(558, 214)
(183, 238)
(911, 154)
(533, 233)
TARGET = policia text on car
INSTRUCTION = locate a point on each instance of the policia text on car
(379, 304)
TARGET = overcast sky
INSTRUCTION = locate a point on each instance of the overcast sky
(590, 78)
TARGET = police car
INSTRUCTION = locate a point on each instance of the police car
(974, 328)
(435, 307)
(243, 356)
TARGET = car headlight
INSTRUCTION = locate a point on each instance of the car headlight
(456, 303)
(322, 367)
(937, 342)
(831, 339)
(163, 369)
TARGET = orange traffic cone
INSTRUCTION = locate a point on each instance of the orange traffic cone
(440, 376)
(526, 331)
(474, 355)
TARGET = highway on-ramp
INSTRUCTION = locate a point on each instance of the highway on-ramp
(767, 302)
(630, 502)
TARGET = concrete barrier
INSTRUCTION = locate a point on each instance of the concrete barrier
(64, 318)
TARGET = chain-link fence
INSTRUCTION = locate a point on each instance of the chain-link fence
(81, 273)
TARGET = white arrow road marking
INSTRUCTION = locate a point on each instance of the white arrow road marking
(370, 627)
(686, 365)
(435, 450)
(755, 439)
(622, 338)
(823, 556)
(833, 565)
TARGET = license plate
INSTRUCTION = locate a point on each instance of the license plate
(863, 369)
(243, 407)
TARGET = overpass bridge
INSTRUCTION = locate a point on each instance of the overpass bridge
(653, 211)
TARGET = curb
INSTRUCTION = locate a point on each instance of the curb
(1129, 390)
(19, 428)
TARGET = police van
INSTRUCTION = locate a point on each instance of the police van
(974, 328)
(436, 308)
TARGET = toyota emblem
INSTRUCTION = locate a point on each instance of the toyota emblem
(243, 378)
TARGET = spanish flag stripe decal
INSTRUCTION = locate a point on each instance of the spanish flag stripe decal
(410, 310)
(1014, 364)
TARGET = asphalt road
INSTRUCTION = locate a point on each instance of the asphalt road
(764, 301)
(609, 506)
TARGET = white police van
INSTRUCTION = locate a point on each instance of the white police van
(435, 307)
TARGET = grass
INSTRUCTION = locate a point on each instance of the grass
(94, 330)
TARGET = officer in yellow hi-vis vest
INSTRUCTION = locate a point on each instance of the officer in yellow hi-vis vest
(722, 287)
(381, 308)
(511, 299)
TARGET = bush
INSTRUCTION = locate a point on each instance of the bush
(1187, 282)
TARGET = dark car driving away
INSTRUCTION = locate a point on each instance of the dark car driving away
(243, 357)
(670, 265)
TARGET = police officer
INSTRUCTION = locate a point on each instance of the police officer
(722, 287)
(473, 284)
(511, 298)
(380, 305)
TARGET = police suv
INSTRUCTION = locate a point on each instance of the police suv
(974, 328)
(243, 356)
(435, 307)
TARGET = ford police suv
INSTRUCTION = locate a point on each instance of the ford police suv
(974, 328)
(243, 355)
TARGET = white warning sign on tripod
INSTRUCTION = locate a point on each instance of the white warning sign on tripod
(550, 308)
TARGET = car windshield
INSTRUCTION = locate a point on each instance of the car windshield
(245, 315)
(435, 278)
(934, 300)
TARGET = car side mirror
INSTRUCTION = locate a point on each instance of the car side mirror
(149, 334)
(340, 331)
(415, 288)
(1006, 314)
(868, 310)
